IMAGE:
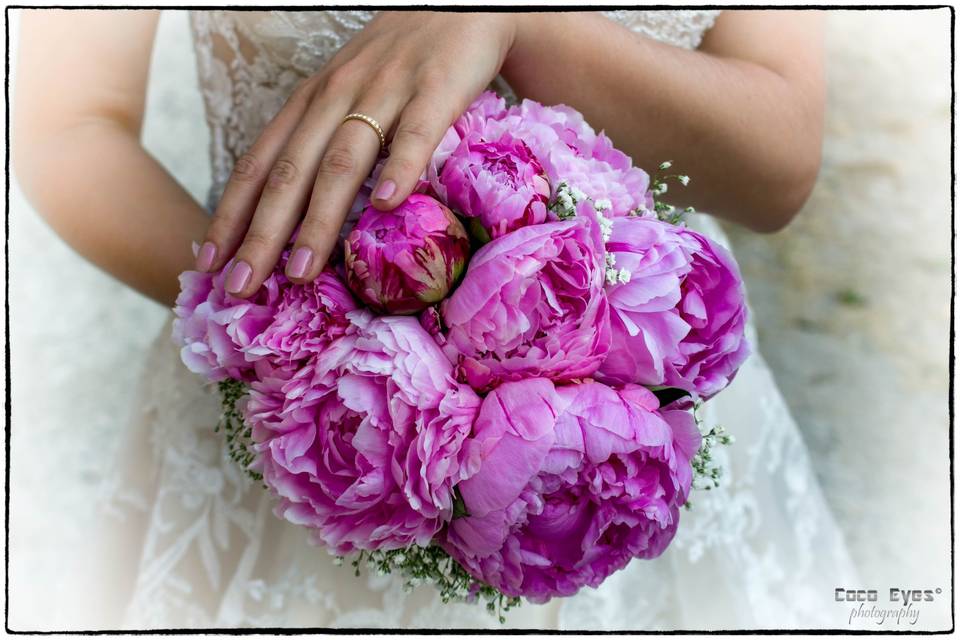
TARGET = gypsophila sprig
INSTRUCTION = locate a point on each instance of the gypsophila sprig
(659, 186)
(432, 565)
(237, 434)
(564, 205)
(565, 208)
(706, 474)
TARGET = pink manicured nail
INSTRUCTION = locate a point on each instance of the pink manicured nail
(385, 190)
(206, 255)
(239, 277)
(299, 262)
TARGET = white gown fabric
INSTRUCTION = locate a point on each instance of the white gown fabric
(188, 541)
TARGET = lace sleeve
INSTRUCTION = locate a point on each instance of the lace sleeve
(681, 28)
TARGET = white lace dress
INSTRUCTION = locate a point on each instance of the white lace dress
(187, 541)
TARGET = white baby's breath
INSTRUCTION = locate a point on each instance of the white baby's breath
(606, 226)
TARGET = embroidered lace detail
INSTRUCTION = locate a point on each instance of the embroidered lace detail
(679, 27)
(757, 552)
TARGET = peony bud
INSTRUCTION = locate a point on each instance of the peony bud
(403, 260)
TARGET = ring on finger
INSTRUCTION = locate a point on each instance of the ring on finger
(372, 123)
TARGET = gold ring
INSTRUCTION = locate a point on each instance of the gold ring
(371, 122)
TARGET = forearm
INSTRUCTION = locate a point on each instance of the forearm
(113, 203)
(746, 135)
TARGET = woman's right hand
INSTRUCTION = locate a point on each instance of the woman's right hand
(414, 73)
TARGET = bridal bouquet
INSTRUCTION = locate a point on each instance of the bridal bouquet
(491, 389)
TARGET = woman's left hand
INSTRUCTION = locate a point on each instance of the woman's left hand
(414, 73)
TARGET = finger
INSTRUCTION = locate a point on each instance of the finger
(236, 206)
(420, 129)
(285, 195)
(347, 161)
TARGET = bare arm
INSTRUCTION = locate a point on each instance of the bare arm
(81, 84)
(743, 115)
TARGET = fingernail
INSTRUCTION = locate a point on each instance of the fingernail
(385, 190)
(239, 277)
(299, 262)
(206, 255)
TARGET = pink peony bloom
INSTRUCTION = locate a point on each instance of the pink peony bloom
(401, 261)
(713, 305)
(214, 328)
(626, 188)
(679, 320)
(573, 483)
(223, 337)
(498, 183)
(488, 107)
(306, 320)
(365, 444)
(567, 148)
(572, 152)
(530, 305)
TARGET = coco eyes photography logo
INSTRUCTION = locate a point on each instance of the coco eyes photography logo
(893, 605)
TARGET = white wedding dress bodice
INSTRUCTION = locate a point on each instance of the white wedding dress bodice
(190, 542)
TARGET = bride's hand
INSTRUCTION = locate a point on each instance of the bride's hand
(412, 72)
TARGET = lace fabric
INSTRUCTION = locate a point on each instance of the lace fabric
(193, 543)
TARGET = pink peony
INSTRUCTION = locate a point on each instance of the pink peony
(214, 328)
(401, 261)
(567, 148)
(307, 318)
(573, 483)
(679, 320)
(365, 444)
(530, 305)
(713, 305)
(499, 183)
(626, 188)
(571, 152)
(488, 107)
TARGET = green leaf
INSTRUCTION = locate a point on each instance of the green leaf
(666, 395)
(477, 232)
(459, 506)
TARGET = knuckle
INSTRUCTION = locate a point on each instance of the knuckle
(221, 228)
(258, 243)
(341, 79)
(414, 130)
(388, 72)
(338, 162)
(433, 78)
(247, 168)
(228, 225)
(283, 173)
(404, 166)
(317, 226)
